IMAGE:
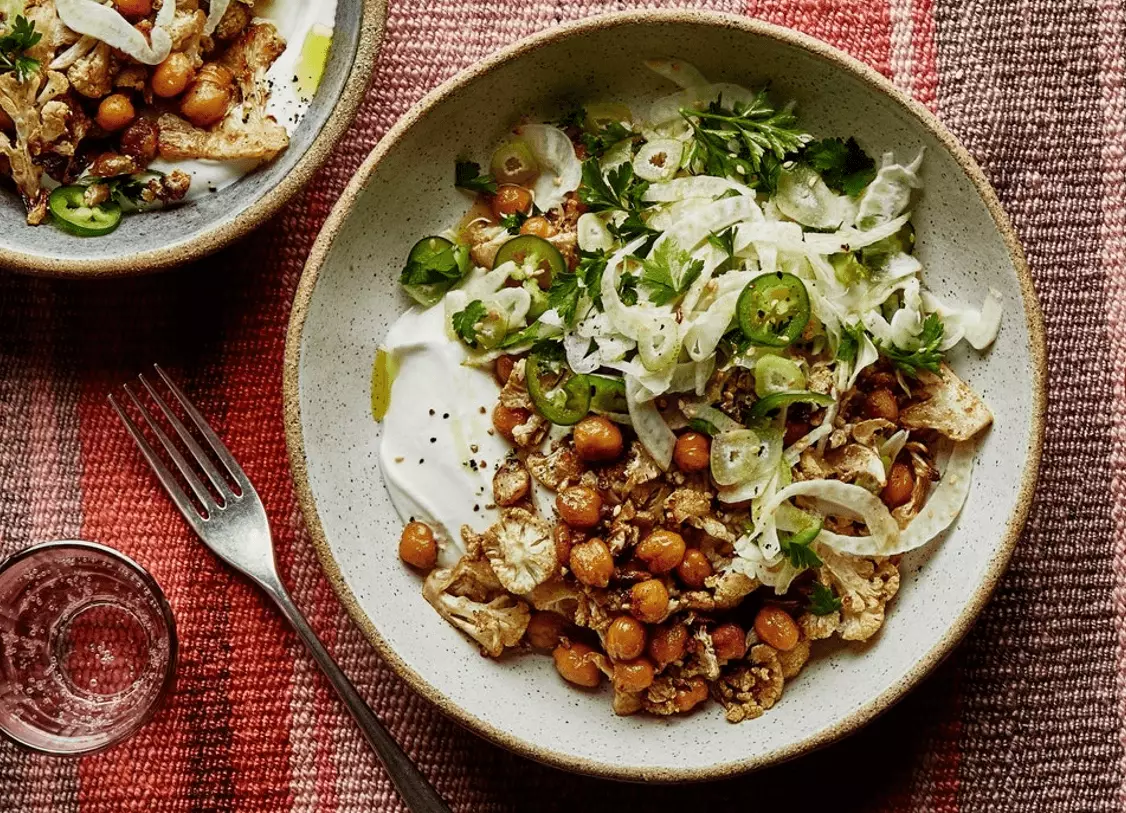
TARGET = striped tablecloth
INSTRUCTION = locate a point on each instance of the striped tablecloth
(1028, 715)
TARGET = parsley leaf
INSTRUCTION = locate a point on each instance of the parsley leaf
(467, 175)
(747, 142)
(627, 288)
(703, 427)
(796, 546)
(668, 272)
(465, 322)
(633, 226)
(19, 39)
(433, 267)
(851, 336)
(927, 356)
(572, 118)
(843, 165)
(513, 222)
(597, 143)
(590, 268)
(724, 241)
(563, 295)
(618, 189)
(822, 601)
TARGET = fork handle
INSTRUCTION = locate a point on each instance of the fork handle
(416, 791)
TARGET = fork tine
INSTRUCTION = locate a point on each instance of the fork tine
(186, 471)
(157, 465)
(200, 456)
(217, 446)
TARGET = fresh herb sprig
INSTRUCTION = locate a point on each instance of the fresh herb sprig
(465, 321)
(798, 547)
(822, 601)
(467, 175)
(513, 222)
(668, 272)
(618, 189)
(843, 165)
(14, 46)
(747, 141)
(927, 356)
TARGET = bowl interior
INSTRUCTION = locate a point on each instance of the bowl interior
(177, 229)
(408, 193)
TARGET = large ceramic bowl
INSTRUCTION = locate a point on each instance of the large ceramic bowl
(349, 296)
(192, 230)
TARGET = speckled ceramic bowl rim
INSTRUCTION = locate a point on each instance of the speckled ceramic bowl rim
(228, 231)
(296, 445)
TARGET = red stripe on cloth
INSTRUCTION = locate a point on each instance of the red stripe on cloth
(860, 27)
(925, 84)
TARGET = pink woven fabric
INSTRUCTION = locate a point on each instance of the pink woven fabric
(1028, 715)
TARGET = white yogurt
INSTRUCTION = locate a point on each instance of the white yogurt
(294, 19)
(424, 455)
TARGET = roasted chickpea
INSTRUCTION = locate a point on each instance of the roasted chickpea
(694, 568)
(901, 482)
(775, 626)
(506, 419)
(691, 696)
(539, 226)
(417, 546)
(649, 601)
(565, 538)
(625, 638)
(502, 368)
(115, 112)
(579, 506)
(578, 664)
(881, 403)
(597, 439)
(133, 9)
(661, 551)
(172, 76)
(544, 630)
(592, 563)
(141, 140)
(795, 431)
(668, 643)
(633, 676)
(511, 199)
(209, 97)
(730, 642)
(692, 452)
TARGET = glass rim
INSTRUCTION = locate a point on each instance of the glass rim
(157, 593)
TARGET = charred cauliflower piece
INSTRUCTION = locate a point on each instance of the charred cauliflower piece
(864, 586)
(470, 597)
(521, 550)
(749, 690)
(950, 407)
(556, 470)
(511, 483)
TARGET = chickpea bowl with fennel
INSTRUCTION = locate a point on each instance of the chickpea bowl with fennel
(136, 135)
(670, 396)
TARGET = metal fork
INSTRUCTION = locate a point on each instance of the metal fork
(233, 524)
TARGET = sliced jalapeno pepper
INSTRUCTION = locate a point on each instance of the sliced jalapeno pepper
(770, 403)
(773, 310)
(433, 267)
(73, 215)
(529, 250)
(566, 401)
(607, 395)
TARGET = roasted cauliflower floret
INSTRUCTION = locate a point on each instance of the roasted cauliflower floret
(521, 550)
(950, 407)
(570, 602)
(858, 464)
(557, 469)
(688, 502)
(470, 597)
(511, 483)
(748, 691)
(864, 586)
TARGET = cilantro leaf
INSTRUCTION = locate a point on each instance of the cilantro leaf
(465, 321)
(563, 295)
(590, 268)
(851, 336)
(13, 45)
(927, 356)
(668, 272)
(434, 266)
(598, 142)
(627, 288)
(532, 333)
(703, 427)
(632, 227)
(618, 189)
(747, 142)
(724, 240)
(572, 118)
(467, 175)
(822, 601)
(513, 222)
(843, 165)
(797, 548)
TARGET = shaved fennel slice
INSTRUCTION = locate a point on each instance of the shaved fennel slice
(890, 193)
(941, 509)
(215, 13)
(695, 226)
(668, 108)
(979, 328)
(683, 74)
(104, 23)
(650, 427)
(866, 355)
(693, 186)
(884, 536)
(561, 171)
(850, 239)
(805, 197)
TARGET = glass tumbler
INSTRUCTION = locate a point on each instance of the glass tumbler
(87, 647)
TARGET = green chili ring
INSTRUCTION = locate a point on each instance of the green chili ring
(764, 406)
(773, 310)
(529, 249)
(70, 212)
(565, 404)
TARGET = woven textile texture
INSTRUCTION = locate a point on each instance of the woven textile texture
(1029, 714)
